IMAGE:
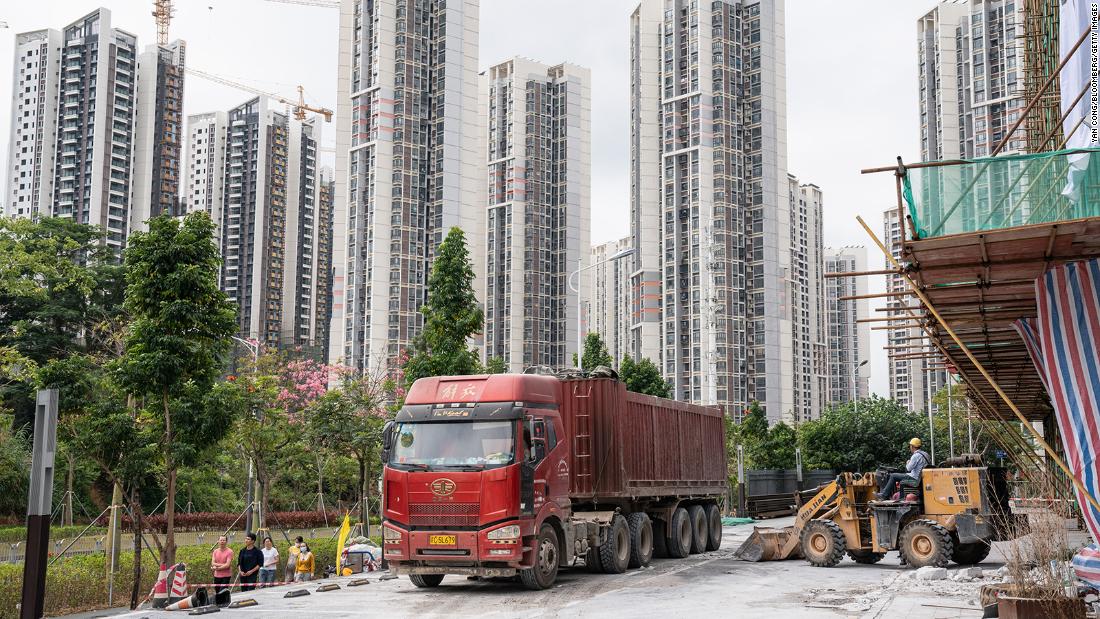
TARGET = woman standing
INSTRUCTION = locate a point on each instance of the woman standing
(271, 563)
(304, 570)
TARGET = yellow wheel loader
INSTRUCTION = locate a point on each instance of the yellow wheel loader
(952, 514)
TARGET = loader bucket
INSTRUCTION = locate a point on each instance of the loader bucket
(766, 544)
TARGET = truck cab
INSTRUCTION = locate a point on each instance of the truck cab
(474, 464)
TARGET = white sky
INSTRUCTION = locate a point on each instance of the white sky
(851, 84)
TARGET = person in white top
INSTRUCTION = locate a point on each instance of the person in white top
(271, 563)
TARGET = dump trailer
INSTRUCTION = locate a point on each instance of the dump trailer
(522, 474)
(951, 514)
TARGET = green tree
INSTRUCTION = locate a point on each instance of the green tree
(451, 316)
(180, 329)
(878, 435)
(777, 450)
(644, 377)
(349, 420)
(595, 353)
(496, 365)
(58, 283)
(753, 433)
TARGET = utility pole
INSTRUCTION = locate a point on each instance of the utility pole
(39, 505)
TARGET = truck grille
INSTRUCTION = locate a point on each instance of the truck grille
(444, 514)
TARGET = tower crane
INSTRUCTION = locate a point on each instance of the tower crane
(162, 14)
(299, 107)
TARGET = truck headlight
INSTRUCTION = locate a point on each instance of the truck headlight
(504, 533)
(391, 535)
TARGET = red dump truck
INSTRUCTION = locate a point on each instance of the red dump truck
(520, 474)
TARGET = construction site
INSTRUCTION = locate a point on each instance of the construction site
(566, 490)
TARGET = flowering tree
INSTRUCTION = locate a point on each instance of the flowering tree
(278, 393)
(350, 418)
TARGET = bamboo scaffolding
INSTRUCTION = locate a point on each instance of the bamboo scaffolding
(981, 368)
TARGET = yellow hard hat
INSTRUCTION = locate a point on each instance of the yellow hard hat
(914, 442)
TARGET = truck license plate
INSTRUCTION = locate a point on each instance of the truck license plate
(441, 540)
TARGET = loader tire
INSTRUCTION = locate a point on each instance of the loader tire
(822, 543)
(660, 539)
(679, 535)
(866, 557)
(641, 539)
(969, 554)
(698, 517)
(615, 551)
(924, 543)
(714, 527)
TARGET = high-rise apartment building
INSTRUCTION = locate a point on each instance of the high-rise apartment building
(31, 152)
(159, 134)
(805, 289)
(322, 320)
(608, 300)
(536, 235)
(711, 206)
(913, 381)
(971, 77)
(96, 132)
(410, 153)
(254, 170)
(848, 342)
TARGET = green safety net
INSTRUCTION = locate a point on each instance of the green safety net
(1003, 192)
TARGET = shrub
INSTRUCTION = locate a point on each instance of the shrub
(12, 534)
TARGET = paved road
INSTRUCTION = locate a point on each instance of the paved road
(711, 584)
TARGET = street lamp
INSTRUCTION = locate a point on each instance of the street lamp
(622, 254)
(254, 347)
(855, 384)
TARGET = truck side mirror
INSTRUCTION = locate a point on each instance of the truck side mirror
(387, 440)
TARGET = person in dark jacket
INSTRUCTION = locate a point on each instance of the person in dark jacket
(249, 562)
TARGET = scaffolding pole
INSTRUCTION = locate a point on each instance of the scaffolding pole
(981, 368)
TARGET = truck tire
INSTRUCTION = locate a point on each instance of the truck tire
(866, 557)
(714, 527)
(679, 536)
(426, 581)
(660, 539)
(699, 528)
(969, 554)
(545, 571)
(641, 539)
(592, 561)
(615, 551)
(924, 543)
(822, 543)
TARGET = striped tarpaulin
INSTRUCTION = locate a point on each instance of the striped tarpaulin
(1064, 342)
(1086, 565)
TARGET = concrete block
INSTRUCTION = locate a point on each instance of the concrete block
(931, 573)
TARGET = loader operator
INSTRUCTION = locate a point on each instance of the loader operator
(914, 466)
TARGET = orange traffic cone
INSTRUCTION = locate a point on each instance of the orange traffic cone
(160, 590)
(197, 599)
(179, 583)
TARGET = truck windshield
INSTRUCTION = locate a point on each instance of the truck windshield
(457, 444)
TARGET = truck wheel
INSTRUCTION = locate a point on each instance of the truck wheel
(426, 581)
(545, 570)
(924, 543)
(679, 537)
(592, 561)
(969, 554)
(698, 517)
(615, 551)
(641, 539)
(714, 527)
(822, 543)
(866, 557)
